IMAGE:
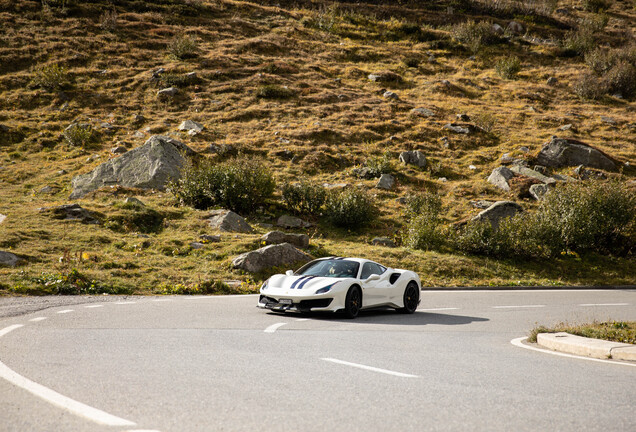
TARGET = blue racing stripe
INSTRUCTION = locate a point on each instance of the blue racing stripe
(296, 282)
(305, 281)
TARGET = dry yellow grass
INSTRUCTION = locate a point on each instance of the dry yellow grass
(335, 120)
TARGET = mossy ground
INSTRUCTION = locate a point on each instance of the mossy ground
(316, 56)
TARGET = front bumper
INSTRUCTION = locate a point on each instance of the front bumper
(297, 305)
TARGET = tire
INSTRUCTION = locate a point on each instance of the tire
(353, 302)
(411, 298)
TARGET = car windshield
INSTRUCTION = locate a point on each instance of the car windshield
(335, 268)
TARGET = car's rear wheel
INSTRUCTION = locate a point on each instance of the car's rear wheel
(411, 298)
(353, 302)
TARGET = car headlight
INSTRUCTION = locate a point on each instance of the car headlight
(325, 289)
(264, 286)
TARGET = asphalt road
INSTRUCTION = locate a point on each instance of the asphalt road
(220, 364)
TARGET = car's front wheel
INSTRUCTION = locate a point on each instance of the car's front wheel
(353, 302)
(411, 298)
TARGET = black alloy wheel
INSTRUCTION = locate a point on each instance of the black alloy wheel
(353, 302)
(411, 298)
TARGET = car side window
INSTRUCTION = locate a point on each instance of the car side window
(370, 268)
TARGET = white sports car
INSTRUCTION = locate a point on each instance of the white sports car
(341, 284)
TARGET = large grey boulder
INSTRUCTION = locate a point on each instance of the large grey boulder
(387, 181)
(278, 237)
(538, 191)
(150, 166)
(500, 176)
(416, 158)
(227, 220)
(559, 152)
(8, 259)
(498, 211)
(270, 256)
(527, 172)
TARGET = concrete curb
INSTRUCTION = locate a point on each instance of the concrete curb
(531, 288)
(596, 348)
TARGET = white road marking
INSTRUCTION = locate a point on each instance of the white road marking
(162, 300)
(94, 306)
(65, 311)
(369, 368)
(57, 399)
(274, 327)
(604, 304)
(519, 306)
(37, 319)
(124, 303)
(518, 342)
(220, 296)
(302, 319)
(437, 309)
(142, 430)
(480, 291)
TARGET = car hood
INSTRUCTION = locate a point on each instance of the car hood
(301, 282)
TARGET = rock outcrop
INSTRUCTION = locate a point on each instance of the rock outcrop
(278, 237)
(9, 259)
(498, 211)
(270, 256)
(150, 166)
(415, 157)
(560, 152)
(227, 220)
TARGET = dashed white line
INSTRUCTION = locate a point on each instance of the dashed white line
(65, 311)
(162, 300)
(125, 303)
(518, 342)
(37, 319)
(518, 306)
(57, 399)
(302, 319)
(369, 368)
(437, 309)
(274, 327)
(604, 304)
(142, 430)
(93, 306)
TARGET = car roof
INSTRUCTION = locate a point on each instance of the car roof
(360, 260)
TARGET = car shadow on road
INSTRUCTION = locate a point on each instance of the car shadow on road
(392, 317)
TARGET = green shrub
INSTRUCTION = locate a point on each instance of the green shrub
(594, 24)
(379, 165)
(350, 208)
(239, 185)
(75, 283)
(108, 20)
(304, 197)
(486, 121)
(273, 91)
(51, 77)
(508, 67)
(578, 43)
(424, 230)
(79, 134)
(177, 80)
(590, 87)
(428, 203)
(183, 47)
(601, 60)
(475, 35)
(622, 79)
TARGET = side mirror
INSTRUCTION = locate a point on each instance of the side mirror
(289, 272)
(373, 277)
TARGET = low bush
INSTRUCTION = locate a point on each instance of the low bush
(237, 184)
(596, 5)
(51, 77)
(590, 87)
(108, 20)
(601, 60)
(183, 47)
(379, 165)
(350, 208)
(79, 134)
(577, 43)
(475, 34)
(135, 219)
(508, 67)
(304, 197)
(621, 79)
(428, 203)
(75, 283)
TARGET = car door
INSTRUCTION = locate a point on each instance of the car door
(376, 288)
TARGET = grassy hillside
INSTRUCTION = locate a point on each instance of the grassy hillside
(282, 79)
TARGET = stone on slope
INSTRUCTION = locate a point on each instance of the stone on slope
(500, 176)
(278, 237)
(527, 172)
(8, 259)
(70, 212)
(559, 152)
(538, 191)
(422, 112)
(287, 221)
(2, 218)
(150, 166)
(191, 127)
(498, 211)
(227, 220)
(415, 157)
(270, 256)
(383, 241)
(387, 181)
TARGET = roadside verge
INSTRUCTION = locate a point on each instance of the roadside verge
(588, 347)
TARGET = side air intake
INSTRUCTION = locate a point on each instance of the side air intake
(394, 277)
